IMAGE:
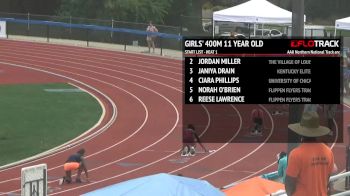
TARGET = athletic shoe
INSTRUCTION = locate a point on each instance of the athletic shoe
(61, 181)
(185, 151)
(192, 151)
(253, 132)
(78, 181)
(67, 181)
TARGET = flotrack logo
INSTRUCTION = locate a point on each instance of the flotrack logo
(301, 43)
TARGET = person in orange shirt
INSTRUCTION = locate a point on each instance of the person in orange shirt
(310, 164)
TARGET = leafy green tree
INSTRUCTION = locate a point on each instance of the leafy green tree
(31, 6)
(131, 10)
(326, 12)
(81, 8)
(139, 10)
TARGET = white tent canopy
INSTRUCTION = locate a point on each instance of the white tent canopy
(343, 23)
(255, 11)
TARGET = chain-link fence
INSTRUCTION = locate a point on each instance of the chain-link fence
(90, 30)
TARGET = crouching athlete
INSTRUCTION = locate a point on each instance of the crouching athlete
(190, 138)
(75, 162)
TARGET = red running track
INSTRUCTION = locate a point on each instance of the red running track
(141, 131)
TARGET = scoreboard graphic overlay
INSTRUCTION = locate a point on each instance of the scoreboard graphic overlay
(221, 74)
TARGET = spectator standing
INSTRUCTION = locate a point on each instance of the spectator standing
(151, 38)
(330, 110)
(282, 162)
(310, 164)
(346, 81)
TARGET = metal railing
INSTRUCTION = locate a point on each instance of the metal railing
(90, 30)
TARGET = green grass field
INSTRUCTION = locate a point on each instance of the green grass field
(33, 120)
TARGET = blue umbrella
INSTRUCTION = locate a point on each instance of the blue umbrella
(159, 184)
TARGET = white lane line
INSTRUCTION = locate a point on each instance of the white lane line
(109, 123)
(249, 154)
(130, 155)
(217, 150)
(124, 65)
(237, 171)
(129, 56)
(274, 163)
(92, 66)
(97, 73)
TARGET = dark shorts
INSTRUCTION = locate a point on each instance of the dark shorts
(258, 121)
(188, 140)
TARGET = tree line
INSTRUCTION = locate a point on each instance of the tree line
(167, 12)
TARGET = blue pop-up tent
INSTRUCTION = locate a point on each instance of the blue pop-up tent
(159, 184)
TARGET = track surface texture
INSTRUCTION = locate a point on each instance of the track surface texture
(140, 133)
